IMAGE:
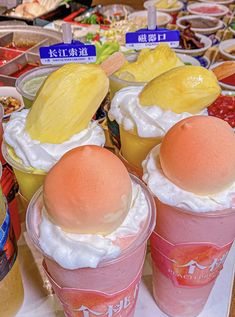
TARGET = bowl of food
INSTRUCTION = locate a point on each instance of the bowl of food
(116, 12)
(224, 107)
(188, 60)
(168, 6)
(225, 73)
(208, 9)
(227, 49)
(10, 100)
(140, 18)
(192, 43)
(200, 24)
(225, 2)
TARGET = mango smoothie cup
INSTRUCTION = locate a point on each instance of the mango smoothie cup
(29, 179)
(134, 149)
(111, 287)
(117, 84)
(187, 257)
(35, 77)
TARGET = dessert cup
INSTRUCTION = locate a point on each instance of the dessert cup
(117, 83)
(111, 287)
(135, 148)
(188, 251)
(29, 179)
(38, 72)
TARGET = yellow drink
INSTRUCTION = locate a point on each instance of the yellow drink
(12, 292)
(115, 84)
(134, 148)
(29, 179)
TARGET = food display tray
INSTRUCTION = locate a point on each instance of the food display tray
(57, 13)
(19, 48)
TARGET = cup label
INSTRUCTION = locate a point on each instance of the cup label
(8, 247)
(188, 264)
(89, 303)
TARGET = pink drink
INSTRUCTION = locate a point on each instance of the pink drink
(111, 289)
(181, 289)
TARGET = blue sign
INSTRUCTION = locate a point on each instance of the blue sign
(151, 38)
(68, 53)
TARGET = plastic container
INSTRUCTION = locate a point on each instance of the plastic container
(112, 286)
(39, 73)
(29, 179)
(188, 251)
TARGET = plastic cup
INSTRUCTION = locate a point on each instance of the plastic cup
(116, 84)
(110, 288)
(29, 179)
(188, 251)
(135, 148)
(32, 75)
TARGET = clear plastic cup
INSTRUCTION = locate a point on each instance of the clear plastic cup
(188, 251)
(29, 179)
(112, 286)
(117, 83)
(135, 148)
(38, 74)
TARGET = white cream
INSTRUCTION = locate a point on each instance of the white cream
(43, 156)
(150, 121)
(172, 195)
(73, 251)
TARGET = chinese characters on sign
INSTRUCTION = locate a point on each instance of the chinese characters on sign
(68, 53)
(146, 38)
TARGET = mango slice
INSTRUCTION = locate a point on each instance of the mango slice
(66, 102)
(183, 89)
(149, 64)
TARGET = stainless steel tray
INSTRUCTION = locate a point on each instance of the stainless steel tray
(27, 40)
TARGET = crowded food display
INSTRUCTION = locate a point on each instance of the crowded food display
(117, 134)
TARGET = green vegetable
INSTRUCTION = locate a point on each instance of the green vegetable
(232, 26)
(103, 51)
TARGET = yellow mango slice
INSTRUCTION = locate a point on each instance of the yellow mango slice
(183, 89)
(66, 102)
(149, 64)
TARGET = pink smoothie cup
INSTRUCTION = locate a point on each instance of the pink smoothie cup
(111, 289)
(188, 252)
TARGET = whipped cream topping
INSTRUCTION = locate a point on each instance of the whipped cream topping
(150, 121)
(170, 194)
(73, 251)
(43, 156)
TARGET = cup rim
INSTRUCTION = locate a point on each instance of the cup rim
(149, 227)
(126, 82)
(20, 81)
(16, 165)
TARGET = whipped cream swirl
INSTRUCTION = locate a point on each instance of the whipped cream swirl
(170, 194)
(73, 251)
(43, 156)
(149, 121)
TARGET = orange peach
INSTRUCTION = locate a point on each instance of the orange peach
(88, 191)
(198, 155)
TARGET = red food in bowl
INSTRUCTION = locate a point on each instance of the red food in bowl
(224, 108)
(209, 10)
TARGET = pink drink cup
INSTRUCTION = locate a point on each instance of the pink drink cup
(178, 226)
(111, 289)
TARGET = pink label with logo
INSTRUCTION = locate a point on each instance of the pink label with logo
(188, 264)
(89, 303)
